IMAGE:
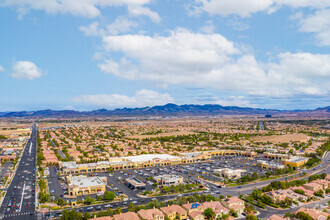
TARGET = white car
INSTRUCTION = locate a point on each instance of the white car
(100, 193)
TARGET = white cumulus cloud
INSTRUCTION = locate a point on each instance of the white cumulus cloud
(303, 3)
(245, 8)
(141, 98)
(2, 69)
(210, 60)
(120, 25)
(319, 24)
(208, 27)
(139, 10)
(85, 8)
(26, 70)
(316, 20)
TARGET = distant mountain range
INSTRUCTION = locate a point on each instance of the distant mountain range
(168, 110)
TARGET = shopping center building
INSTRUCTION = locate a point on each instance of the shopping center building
(83, 185)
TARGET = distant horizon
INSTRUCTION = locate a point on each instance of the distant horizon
(108, 109)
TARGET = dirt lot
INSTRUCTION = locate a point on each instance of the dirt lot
(15, 133)
(175, 133)
(282, 138)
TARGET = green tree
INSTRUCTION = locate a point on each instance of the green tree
(233, 213)
(71, 215)
(299, 191)
(88, 200)
(166, 189)
(86, 216)
(131, 208)
(255, 176)
(209, 214)
(101, 214)
(61, 202)
(108, 195)
(43, 197)
(303, 216)
(118, 210)
(251, 217)
(256, 194)
(109, 212)
(319, 193)
(289, 215)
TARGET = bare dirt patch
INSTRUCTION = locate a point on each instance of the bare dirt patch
(174, 133)
(281, 138)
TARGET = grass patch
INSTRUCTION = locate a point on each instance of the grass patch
(269, 178)
(169, 194)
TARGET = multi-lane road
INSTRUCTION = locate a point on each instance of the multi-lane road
(19, 202)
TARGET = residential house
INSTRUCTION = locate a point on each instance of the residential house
(314, 213)
(295, 196)
(126, 216)
(173, 211)
(327, 178)
(313, 186)
(151, 214)
(196, 215)
(276, 217)
(193, 207)
(216, 207)
(307, 192)
(325, 184)
(276, 195)
(103, 218)
(234, 203)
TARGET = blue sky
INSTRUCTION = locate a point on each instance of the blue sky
(90, 54)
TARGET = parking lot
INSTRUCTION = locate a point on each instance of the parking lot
(190, 172)
(5, 170)
(57, 189)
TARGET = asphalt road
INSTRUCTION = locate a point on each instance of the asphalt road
(19, 202)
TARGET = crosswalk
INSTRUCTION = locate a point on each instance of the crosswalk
(17, 214)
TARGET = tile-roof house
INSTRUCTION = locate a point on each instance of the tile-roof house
(315, 214)
(294, 196)
(327, 177)
(313, 186)
(151, 214)
(217, 207)
(196, 215)
(276, 217)
(191, 207)
(276, 195)
(307, 192)
(173, 211)
(234, 203)
(126, 216)
(325, 184)
(103, 218)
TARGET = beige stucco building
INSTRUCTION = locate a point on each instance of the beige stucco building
(83, 185)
